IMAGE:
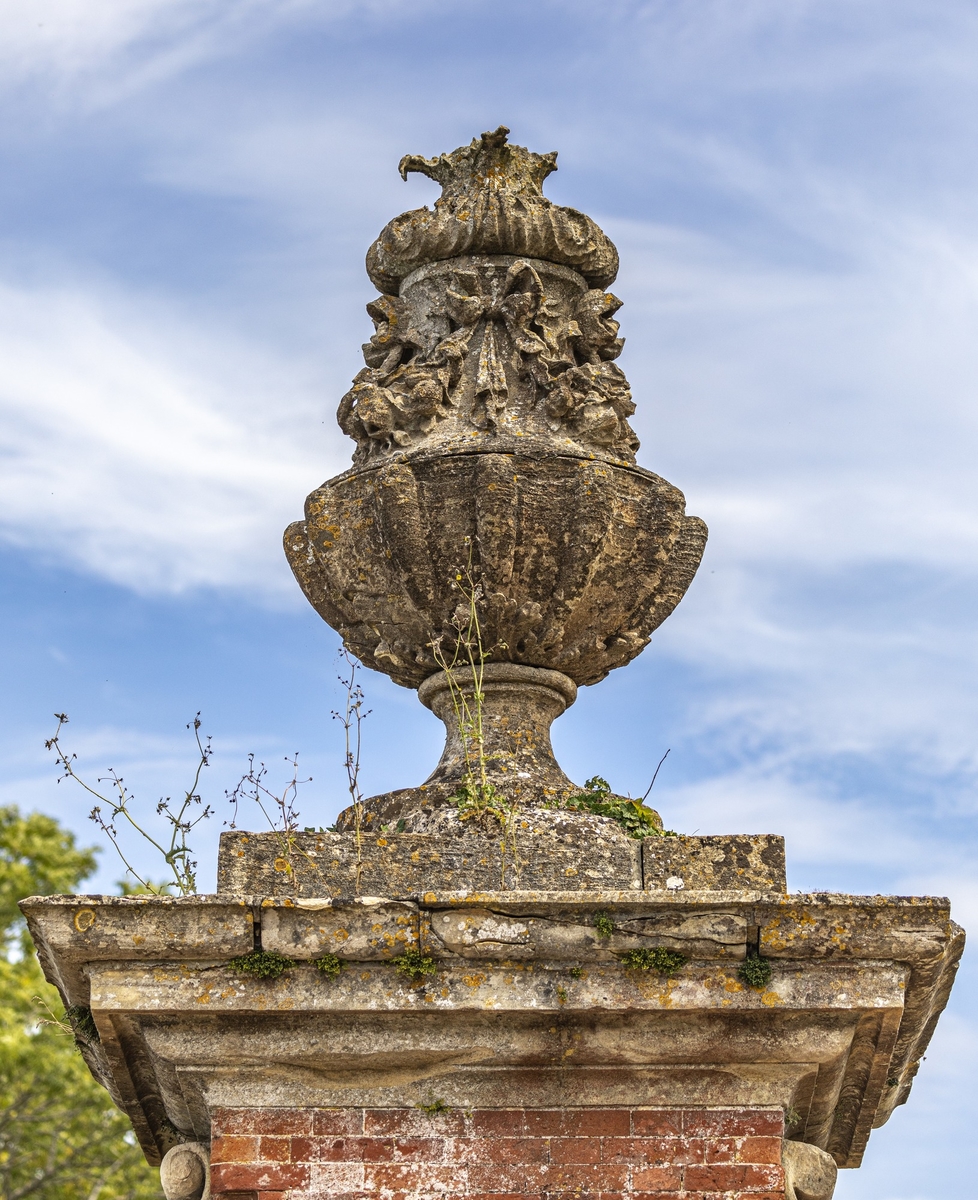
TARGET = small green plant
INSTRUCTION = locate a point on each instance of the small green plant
(352, 719)
(561, 994)
(604, 925)
(266, 964)
(330, 965)
(755, 971)
(791, 1117)
(666, 962)
(477, 797)
(433, 1107)
(577, 973)
(414, 964)
(634, 816)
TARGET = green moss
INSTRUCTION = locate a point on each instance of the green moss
(414, 964)
(82, 1024)
(266, 964)
(666, 962)
(755, 971)
(604, 925)
(435, 1107)
(330, 965)
(577, 972)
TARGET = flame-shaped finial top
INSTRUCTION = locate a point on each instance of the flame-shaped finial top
(491, 203)
(486, 162)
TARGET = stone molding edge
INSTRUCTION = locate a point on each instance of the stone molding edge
(822, 929)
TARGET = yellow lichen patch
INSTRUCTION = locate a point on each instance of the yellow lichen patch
(84, 919)
(770, 999)
(341, 934)
(473, 981)
(732, 985)
(282, 864)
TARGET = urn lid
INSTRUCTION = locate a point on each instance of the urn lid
(491, 203)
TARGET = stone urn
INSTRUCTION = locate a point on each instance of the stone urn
(494, 545)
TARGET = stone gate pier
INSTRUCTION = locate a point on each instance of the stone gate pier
(499, 984)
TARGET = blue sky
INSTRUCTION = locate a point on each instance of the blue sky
(187, 190)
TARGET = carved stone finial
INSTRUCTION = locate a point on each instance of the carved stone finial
(491, 203)
(491, 423)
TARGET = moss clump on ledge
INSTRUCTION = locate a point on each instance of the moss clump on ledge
(330, 965)
(666, 962)
(755, 971)
(266, 964)
(414, 964)
(603, 925)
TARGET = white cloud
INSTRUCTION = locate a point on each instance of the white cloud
(134, 452)
(101, 54)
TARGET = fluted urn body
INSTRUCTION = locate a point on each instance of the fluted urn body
(494, 479)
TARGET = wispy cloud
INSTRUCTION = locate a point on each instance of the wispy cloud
(134, 451)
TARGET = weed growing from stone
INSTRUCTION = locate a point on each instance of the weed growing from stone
(352, 719)
(666, 962)
(415, 965)
(754, 971)
(265, 964)
(182, 817)
(476, 797)
(577, 973)
(330, 965)
(433, 1108)
(634, 816)
(278, 809)
(561, 994)
(603, 925)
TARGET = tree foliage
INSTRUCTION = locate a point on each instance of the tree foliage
(61, 1138)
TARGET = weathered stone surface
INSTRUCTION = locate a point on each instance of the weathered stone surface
(724, 862)
(363, 930)
(523, 996)
(491, 203)
(554, 851)
(405, 865)
(579, 560)
(515, 348)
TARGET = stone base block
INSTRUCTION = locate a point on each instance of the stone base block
(587, 854)
(505, 1154)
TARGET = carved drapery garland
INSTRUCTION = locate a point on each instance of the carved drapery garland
(564, 358)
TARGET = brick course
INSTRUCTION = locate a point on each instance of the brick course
(497, 1154)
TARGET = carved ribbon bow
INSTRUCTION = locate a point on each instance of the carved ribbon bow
(513, 303)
